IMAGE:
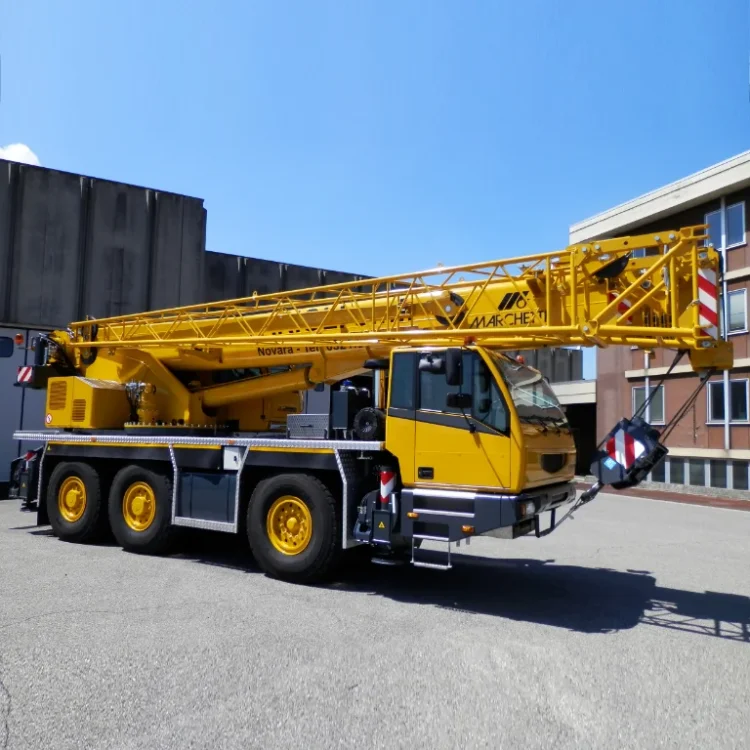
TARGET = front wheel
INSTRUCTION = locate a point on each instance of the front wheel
(74, 502)
(293, 528)
(140, 510)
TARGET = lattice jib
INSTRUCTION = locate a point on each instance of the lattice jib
(595, 293)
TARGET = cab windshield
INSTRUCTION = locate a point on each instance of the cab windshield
(534, 399)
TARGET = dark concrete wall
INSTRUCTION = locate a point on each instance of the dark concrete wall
(230, 276)
(72, 246)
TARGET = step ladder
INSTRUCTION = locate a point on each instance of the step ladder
(424, 564)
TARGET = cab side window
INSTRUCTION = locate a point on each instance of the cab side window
(403, 381)
(488, 403)
(433, 391)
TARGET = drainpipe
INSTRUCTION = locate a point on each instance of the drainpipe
(725, 315)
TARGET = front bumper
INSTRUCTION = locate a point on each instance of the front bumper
(453, 515)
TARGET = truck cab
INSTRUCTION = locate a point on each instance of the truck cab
(475, 419)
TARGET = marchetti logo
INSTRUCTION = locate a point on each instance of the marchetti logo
(514, 311)
(513, 299)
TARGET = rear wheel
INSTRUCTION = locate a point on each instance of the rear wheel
(74, 502)
(293, 527)
(140, 510)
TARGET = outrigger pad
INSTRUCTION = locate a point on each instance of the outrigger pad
(628, 454)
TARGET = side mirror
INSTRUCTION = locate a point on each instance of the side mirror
(377, 364)
(454, 366)
(458, 401)
(7, 347)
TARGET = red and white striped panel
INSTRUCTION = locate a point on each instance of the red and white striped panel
(624, 448)
(387, 485)
(708, 302)
(24, 374)
(622, 307)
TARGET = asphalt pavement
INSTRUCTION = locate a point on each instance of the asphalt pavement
(629, 627)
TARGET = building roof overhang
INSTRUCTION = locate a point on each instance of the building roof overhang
(701, 187)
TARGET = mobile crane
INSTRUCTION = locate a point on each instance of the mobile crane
(192, 416)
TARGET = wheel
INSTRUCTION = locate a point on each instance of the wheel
(74, 502)
(293, 527)
(140, 510)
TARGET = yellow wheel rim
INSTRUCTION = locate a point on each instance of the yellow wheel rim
(71, 499)
(289, 525)
(139, 506)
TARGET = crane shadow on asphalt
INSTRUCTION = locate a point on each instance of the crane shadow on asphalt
(576, 598)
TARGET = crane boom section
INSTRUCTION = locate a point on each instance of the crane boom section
(592, 294)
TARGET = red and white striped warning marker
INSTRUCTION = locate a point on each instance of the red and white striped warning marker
(624, 448)
(24, 374)
(387, 485)
(622, 306)
(708, 302)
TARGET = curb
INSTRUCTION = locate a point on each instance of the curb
(677, 497)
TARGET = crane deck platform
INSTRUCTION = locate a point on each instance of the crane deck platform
(58, 436)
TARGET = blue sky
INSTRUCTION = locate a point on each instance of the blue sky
(380, 137)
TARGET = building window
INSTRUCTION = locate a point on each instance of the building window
(735, 225)
(737, 312)
(738, 401)
(656, 406)
(718, 473)
(659, 473)
(740, 475)
(677, 470)
(697, 472)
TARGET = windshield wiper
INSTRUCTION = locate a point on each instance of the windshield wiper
(556, 422)
(534, 420)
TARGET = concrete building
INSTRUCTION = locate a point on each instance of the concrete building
(711, 445)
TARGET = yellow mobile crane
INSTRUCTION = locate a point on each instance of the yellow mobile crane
(192, 416)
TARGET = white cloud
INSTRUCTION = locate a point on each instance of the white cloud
(19, 152)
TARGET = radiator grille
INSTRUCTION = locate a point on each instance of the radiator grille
(58, 395)
(79, 410)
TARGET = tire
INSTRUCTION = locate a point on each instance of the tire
(75, 509)
(296, 557)
(140, 510)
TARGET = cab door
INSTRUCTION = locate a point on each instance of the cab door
(400, 429)
(462, 449)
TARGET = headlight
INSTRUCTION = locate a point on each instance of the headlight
(528, 508)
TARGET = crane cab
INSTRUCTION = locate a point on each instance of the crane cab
(474, 419)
